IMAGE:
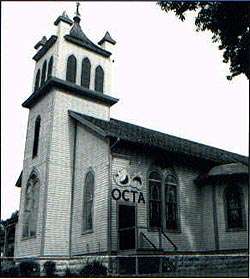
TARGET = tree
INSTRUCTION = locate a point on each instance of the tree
(230, 24)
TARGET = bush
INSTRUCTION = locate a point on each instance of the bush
(10, 272)
(94, 268)
(69, 273)
(29, 268)
(49, 268)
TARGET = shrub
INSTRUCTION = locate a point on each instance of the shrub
(69, 273)
(29, 268)
(49, 268)
(94, 268)
(11, 272)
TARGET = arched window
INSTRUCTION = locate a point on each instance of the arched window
(44, 70)
(171, 209)
(88, 202)
(50, 67)
(154, 184)
(85, 78)
(36, 136)
(99, 79)
(234, 207)
(71, 69)
(37, 80)
(31, 205)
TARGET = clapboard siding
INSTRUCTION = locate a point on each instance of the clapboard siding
(189, 200)
(92, 153)
(57, 236)
(44, 108)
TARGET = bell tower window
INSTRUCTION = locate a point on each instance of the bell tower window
(99, 79)
(37, 80)
(85, 78)
(71, 69)
(36, 136)
(50, 67)
(44, 70)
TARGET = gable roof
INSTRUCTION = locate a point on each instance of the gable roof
(140, 135)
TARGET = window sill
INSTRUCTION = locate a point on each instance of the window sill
(28, 238)
(87, 232)
(236, 229)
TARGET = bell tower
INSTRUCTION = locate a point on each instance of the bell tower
(71, 73)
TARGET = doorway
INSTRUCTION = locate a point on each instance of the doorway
(126, 226)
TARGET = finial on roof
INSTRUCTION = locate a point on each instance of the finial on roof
(107, 38)
(41, 43)
(77, 17)
(77, 8)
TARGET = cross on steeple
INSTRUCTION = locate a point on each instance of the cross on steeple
(77, 8)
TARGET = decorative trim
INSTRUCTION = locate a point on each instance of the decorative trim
(70, 87)
(41, 52)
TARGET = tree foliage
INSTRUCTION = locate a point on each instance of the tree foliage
(229, 23)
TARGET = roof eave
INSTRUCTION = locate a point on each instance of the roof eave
(54, 82)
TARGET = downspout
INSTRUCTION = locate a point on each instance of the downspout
(72, 189)
(109, 234)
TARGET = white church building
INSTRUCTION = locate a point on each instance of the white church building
(94, 185)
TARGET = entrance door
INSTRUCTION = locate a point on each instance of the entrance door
(126, 229)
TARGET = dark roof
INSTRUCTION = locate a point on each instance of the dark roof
(45, 48)
(78, 37)
(140, 135)
(70, 87)
(87, 45)
(107, 38)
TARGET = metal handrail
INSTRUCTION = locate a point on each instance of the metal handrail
(150, 242)
(175, 247)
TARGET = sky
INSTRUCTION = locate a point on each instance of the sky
(168, 77)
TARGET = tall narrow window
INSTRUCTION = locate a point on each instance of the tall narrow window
(71, 69)
(31, 204)
(88, 202)
(154, 182)
(99, 79)
(234, 207)
(50, 67)
(44, 70)
(85, 78)
(37, 81)
(171, 209)
(36, 136)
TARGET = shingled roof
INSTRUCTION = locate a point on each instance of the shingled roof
(140, 135)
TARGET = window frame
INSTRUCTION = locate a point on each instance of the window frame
(33, 182)
(86, 71)
(37, 80)
(84, 203)
(74, 71)
(44, 72)
(163, 174)
(50, 68)
(151, 170)
(176, 185)
(234, 185)
(97, 78)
